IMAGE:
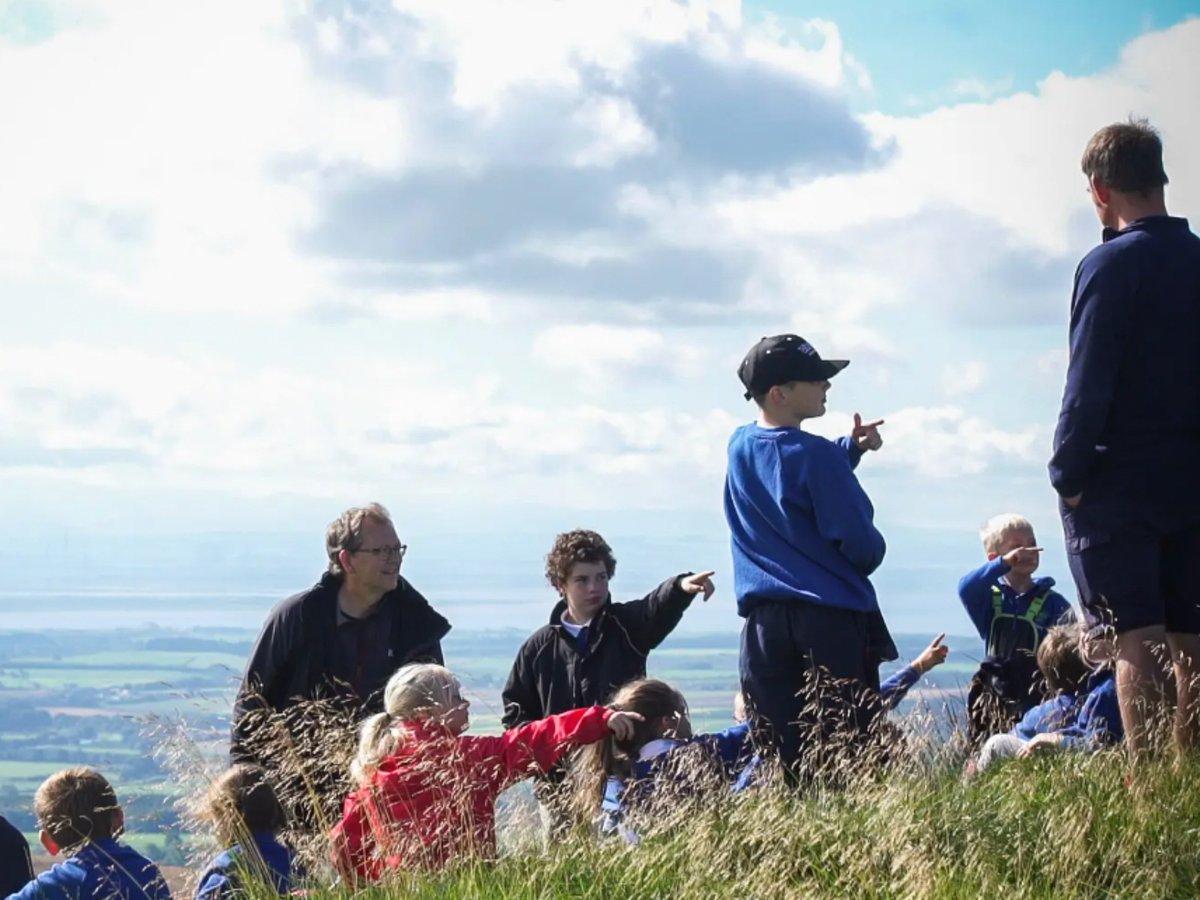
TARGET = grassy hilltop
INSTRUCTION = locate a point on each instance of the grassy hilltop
(1060, 827)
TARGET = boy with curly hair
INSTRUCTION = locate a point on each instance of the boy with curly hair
(591, 645)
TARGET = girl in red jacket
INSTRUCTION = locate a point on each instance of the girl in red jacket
(427, 792)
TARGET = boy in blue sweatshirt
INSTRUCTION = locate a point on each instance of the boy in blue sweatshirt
(1012, 611)
(1082, 715)
(78, 813)
(804, 545)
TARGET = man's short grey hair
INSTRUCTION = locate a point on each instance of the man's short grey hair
(346, 531)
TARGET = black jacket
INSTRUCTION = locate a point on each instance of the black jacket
(551, 676)
(295, 650)
(16, 870)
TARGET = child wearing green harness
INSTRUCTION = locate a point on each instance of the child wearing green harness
(1012, 611)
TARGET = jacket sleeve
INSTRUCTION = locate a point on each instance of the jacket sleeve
(520, 698)
(853, 452)
(214, 886)
(265, 679)
(843, 512)
(655, 616)
(536, 746)
(975, 592)
(898, 685)
(729, 746)
(1098, 724)
(1100, 309)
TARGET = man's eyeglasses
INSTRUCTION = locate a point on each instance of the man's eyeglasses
(387, 554)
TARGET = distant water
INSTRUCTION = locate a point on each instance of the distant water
(103, 610)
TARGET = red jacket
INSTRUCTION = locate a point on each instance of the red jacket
(434, 798)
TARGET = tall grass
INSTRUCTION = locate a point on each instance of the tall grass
(1061, 826)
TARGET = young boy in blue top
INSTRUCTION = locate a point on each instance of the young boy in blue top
(804, 543)
(78, 813)
(1082, 715)
(245, 812)
(1012, 611)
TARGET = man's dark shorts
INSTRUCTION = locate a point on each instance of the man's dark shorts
(1135, 555)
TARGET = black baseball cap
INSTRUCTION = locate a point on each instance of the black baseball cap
(783, 358)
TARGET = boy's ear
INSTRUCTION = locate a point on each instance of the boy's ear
(992, 555)
(118, 821)
(48, 842)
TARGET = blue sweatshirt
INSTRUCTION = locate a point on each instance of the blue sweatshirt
(801, 525)
(269, 860)
(104, 869)
(727, 747)
(1130, 393)
(975, 591)
(1086, 722)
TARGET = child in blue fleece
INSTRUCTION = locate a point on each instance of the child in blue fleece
(78, 813)
(1083, 714)
(662, 761)
(804, 545)
(245, 812)
(1012, 611)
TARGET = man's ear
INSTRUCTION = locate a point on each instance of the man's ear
(344, 558)
(48, 842)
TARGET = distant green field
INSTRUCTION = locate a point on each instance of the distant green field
(27, 677)
(165, 659)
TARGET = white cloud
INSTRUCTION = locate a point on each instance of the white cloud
(947, 442)
(599, 355)
(963, 377)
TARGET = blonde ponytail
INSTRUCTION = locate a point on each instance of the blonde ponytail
(411, 690)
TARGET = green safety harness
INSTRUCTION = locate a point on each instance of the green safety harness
(1011, 634)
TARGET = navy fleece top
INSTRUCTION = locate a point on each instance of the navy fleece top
(801, 525)
(975, 591)
(1131, 394)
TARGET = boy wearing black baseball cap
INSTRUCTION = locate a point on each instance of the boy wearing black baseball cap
(804, 544)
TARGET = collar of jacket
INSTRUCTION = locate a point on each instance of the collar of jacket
(561, 607)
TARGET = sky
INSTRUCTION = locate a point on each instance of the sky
(494, 265)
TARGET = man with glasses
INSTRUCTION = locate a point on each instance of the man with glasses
(343, 638)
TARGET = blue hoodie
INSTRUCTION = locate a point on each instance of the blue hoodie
(1085, 724)
(728, 747)
(975, 591)
(223, 875)
(105, 869)
(801, 525)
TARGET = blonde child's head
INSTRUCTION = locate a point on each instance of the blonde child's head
(76, 806)
(240, 803)
(1000, 531)
(419, 692)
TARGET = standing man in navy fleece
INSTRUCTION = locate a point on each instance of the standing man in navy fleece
(1126, 458)
(804, 544)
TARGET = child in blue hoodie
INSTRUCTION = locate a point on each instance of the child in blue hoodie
(245, 812)
(1083, 713)
(1012, 611)
(804, 545)
(662, 762)
(79, 817)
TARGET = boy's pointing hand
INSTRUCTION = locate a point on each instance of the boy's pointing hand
(866, 435)
(701, 581)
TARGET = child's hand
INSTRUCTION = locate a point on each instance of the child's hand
(1023, 558)
(623, 724)
(1039, 743)
(933, 655)
(701, 581)
(866, 434)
